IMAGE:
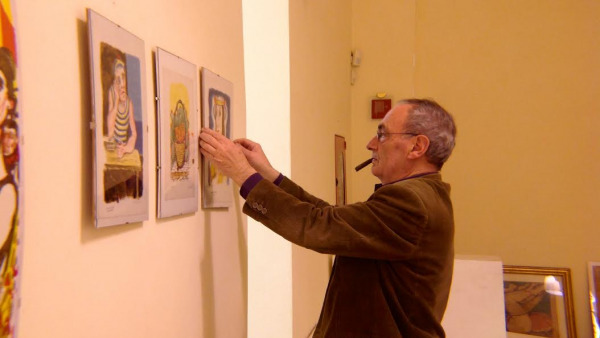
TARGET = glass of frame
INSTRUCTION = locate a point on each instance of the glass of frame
(117, 59)
(538, 302)
(594, 274)
(217, 97)
(177, 131)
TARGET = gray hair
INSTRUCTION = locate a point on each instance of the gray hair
(427, 117)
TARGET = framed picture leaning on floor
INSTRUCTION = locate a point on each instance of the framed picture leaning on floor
(538, 302)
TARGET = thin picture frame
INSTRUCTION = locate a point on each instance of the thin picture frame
(538, 302)
(594, 285)
(119, 123)
(177, 116)
(217, 111)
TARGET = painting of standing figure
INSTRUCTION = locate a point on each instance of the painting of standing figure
(177, 119)
(216, 109)
(119, 116)
(11, 230)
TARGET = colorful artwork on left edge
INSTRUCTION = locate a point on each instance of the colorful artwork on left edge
(10, 228)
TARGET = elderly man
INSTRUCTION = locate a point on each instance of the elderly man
(394, 261)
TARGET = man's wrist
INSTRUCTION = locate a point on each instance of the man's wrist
(243, 177)
(249, 184)
(271, 175)
(253, 180)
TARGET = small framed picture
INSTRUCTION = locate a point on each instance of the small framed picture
(117, 60)
(594, 274)
(538, 302)
(177, 129)
(217, 95)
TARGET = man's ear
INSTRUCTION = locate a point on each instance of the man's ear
(420, 146)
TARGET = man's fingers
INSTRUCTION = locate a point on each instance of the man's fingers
(206, 154)
(211, 156)
(243, 142)
(207, 146)
(216, 135)
(206, 140)
(246, 143)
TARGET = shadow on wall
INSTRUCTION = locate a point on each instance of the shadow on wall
(207, 278)
(210, 273)
(243, 253)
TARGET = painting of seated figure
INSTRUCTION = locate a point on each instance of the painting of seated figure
(119, 123)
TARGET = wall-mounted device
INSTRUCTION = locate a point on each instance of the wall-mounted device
(356, 58)
(380, 106)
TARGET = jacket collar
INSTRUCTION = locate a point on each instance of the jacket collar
(379, 185)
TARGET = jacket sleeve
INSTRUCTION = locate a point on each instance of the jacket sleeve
(295, 190)
(387, 226)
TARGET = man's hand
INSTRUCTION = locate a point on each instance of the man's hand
(257, 159)
(227, 156)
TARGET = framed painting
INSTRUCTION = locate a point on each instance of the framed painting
(340, 170)
(177, 129)
(11, 185)
(594, 283)
(119, 123)
(538, 302)
(216, 114)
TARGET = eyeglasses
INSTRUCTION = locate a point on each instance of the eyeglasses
(381, 135)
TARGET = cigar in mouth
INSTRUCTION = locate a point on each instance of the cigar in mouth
(364, 164)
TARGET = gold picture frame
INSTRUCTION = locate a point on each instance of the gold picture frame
(538, 302)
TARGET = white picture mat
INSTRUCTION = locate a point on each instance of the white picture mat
(476, 303)
(127, 210)
(216, 190)
(176, 196)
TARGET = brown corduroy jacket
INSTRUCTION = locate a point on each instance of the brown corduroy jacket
(395, 253)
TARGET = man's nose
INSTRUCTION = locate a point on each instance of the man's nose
(372, 143)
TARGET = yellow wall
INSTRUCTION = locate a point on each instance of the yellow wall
(178, 277)
(320, 108)
(522, 80)
(383, 30)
